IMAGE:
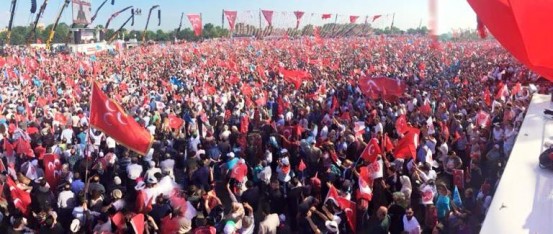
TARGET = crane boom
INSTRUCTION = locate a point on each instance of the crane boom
(147, 22)
(122, 26)
(12, 13)
(33, 30)
(53, 30)
(97, 10)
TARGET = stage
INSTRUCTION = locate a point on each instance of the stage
(523, 202)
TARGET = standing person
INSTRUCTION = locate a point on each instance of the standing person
(410, 223)
(443, 203)
(270, 223)
(380, 222)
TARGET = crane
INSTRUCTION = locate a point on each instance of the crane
(53, 30)
(12, 13)
(33, 30)
(122, 26)
(148, 21)
(96, 12)
(180, 25)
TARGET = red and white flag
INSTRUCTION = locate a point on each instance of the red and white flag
(109, 117)
(231, 18)
(20, 198)
(268, 15)
(401, 124)
(175, 122)
(365, 182)
(483, 119)
(371, 151)
(407, 146)
(196, 22)
(52, 166)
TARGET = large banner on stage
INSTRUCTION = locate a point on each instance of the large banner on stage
(81, 11)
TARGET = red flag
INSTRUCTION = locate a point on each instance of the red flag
(239, 172)
(388, 146)
(487, 97)
(298, 14)
(459, 178)
(359, 129)
(61, 118)
(109, 117)
(407, 146)
(401, 124)
(365, 182)
(175, 122)
(137, 223)
(425, 109)
(24, 147)
(231, 18)
(523, 28)
(371, 151)
(382, 86)
(482, 32)
(268, 15)
(21, 199)
(326, 16)
(170, 224)
(51, 167)
(196, 22)
(483, 119)
(502, 92)
(295, 77)
(376, 17)
(349, 208)
(332, 195)
(353, 19)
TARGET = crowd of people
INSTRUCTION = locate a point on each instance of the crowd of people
(240, 149)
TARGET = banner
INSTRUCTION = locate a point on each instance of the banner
(231, 18)
(298, 14)
(268, 16)
(196, 22)
(81, 11)
(353, 19)
(326, 16)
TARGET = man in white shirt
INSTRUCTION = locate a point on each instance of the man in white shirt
(66, 198)
(134, 170)
(110, 142)
(410, 223)
(67, 134)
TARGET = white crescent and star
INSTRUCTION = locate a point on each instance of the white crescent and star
(120, 120)
(106, 119)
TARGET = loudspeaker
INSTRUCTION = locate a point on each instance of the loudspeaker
(78, 37)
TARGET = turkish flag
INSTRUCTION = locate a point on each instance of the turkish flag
(9, 148)
(388, 145)
(298, 14)
(52, 165)
(175, 122)
(376, 17)
(407, 146)
(326, 16)
(349, 209)
(294, 76)
(196, 22)
(523, 28)
(109, 117)
(487, 97)
(231, 18)
(401, 124)
(268, 15)
(137, 223)
(60, 118)
(21, 199)
(24, 147)
(170, 224)
(425, 109)
(239, 172)
(483, 119)
(385, 87)
(371, 151)
(365, 183)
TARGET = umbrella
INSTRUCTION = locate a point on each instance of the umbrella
(523, 27)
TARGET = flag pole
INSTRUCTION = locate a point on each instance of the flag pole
(223, 18)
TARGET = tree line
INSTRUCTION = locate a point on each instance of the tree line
(20, 33)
